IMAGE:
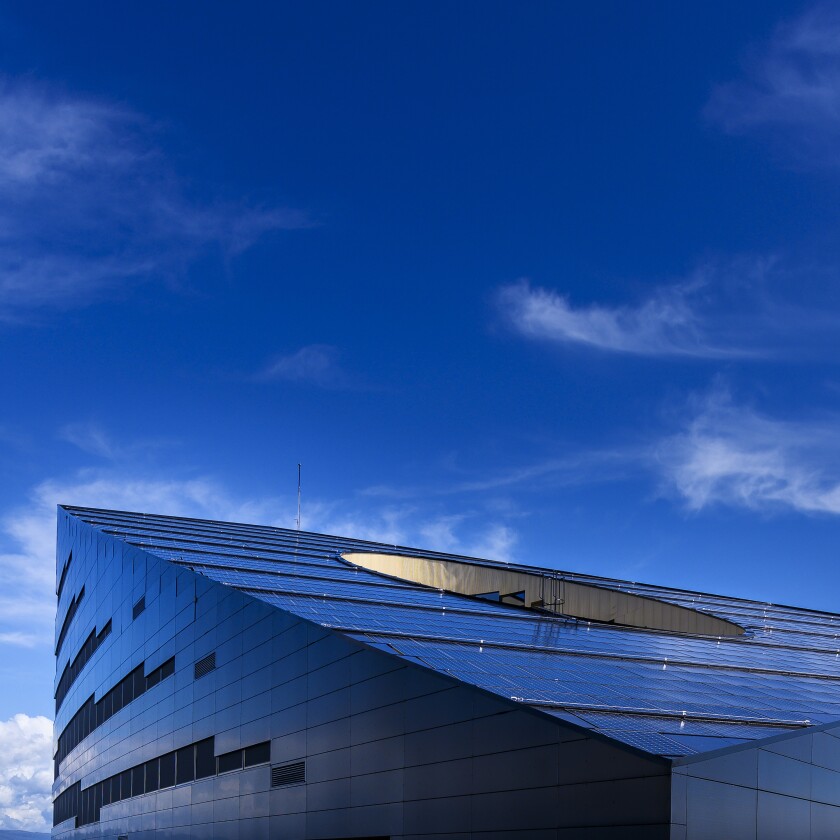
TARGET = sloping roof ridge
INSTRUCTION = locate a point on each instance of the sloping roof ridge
(383, 547)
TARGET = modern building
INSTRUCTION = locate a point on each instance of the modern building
(216, 680)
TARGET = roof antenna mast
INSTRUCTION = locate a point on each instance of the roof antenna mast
(298, 516)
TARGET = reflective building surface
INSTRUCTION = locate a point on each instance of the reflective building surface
(218, 680)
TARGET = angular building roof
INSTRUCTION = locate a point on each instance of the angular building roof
(666, 671)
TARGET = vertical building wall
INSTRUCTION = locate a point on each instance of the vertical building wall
(786, 788)
(390, 749)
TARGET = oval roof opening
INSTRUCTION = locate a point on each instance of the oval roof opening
(548, 592)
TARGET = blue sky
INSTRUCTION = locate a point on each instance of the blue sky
(547, 283)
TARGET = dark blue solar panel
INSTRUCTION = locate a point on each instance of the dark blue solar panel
(664, 693)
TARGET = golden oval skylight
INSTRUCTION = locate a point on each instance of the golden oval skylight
(549, 592)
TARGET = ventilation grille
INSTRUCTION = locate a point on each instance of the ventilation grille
(206, 665)
(139, 607)
(288, 774)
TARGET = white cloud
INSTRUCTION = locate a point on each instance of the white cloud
(495, 542)
(26, 773)
(89, 204)
(315, 364)
(667, 324)
(468, 533)
(90, 438)
(790, 92)
(26, 640)
(733, 455)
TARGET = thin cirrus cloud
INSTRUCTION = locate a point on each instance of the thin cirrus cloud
(314, 364)
(91, 439)
(666, 324)
(789, 93)
(733, 455)
(89, 204)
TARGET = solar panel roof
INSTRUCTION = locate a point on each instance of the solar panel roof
(668, 694)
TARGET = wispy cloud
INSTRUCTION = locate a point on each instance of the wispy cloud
(90, 438)
(25, 773)
(89, 204)
(666, 324)
(733, 455)
(27, 640)
(469, 531)
(790, 91)
(315, 364)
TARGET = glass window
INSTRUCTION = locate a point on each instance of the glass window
(153, 679)
(205, 761)
(116, 697)
(127, 689)
(107, 706)
(167, 770)
(258, 754)
(152, 775)
(125, 784)
(115, 788)
(230, 761)
(139, 681)
(185, 766)
(137, 783)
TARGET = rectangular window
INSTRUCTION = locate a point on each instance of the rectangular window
(68, 619)
(137, 780)
(230, 761)
(63, 576)
(205, 761)
(116, 698)
(115, 788)
(127, 689)
(258, 754)
(185, 766)
(106, 792)
(84, 815)
(153, 679)
(125, 784)
(167, 770)
(139, 681)
(168, 668)
(107, 706)
(138, 607)
(152, 775)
